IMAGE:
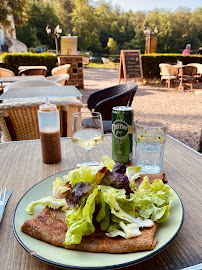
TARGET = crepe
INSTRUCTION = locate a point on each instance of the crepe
(50, 226)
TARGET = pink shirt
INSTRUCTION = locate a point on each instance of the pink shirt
(186, 52)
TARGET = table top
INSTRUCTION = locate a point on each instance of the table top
(38, 92)
(21, 168)
(31, 67)
(11, 79)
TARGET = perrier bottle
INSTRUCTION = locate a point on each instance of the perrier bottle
(122, 134)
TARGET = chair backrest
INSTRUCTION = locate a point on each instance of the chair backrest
(104, 100)
(19, 121)
(61, 78)
(6, 72)
(31, 83)
(198, 66)
(32, 71)
(168, 70)
(189, 71)
(105, 60)
(64, 69)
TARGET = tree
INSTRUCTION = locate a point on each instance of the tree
(85, 26)
(112, 46)
(34, 32)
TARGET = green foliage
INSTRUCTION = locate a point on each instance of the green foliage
(111, 44)
(13, 60)
(150, 62)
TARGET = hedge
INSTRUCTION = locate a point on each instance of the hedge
(150, 62)
(13, 60)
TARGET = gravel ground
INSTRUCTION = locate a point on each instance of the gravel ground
(182, 110)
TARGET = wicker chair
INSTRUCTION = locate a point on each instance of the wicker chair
(6, 72)
(64, 69)
(104, 100)
(61, 78)
(19, 121)
(188, 75)
(168, 73)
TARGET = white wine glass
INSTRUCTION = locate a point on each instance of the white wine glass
(87, 131)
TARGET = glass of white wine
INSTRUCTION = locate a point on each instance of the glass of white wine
(87, 131)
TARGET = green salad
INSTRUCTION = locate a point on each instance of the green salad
(107, 196)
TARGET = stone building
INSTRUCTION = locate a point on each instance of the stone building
(8, 41)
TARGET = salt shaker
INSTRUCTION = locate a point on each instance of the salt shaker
(49, 127)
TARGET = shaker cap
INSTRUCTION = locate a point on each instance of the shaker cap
(48, 107)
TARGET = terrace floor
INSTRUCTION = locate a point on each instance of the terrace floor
(183, 110)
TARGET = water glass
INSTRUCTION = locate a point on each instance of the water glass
(150, 138)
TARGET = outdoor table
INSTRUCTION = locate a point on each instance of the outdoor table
(31, 67)
(38, 92)
(11, 79)
(21, 168)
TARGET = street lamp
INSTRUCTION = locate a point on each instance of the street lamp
(148, 32)
(57, 31)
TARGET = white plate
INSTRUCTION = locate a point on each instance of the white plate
(61, 257)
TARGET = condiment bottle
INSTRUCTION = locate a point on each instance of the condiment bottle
(49, 127)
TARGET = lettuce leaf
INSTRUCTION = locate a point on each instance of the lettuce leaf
(152, 200)
(47, 201)
(82, 174)
(58, 186)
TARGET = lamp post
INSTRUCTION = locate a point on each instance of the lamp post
(57, 31)
(148, 32)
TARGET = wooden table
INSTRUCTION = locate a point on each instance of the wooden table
(21, 168)
(38, 92)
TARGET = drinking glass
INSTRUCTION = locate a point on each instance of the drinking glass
(150, 139)
(87, 131)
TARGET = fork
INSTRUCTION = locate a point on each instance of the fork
(3, 200)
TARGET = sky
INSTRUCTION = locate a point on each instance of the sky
(136, 5)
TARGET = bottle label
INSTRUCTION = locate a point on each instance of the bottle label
(120, 129)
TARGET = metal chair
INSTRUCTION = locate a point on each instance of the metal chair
(19, 120)
(61, 78)
(104, 100)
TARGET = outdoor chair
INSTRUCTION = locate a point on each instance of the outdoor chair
(104, 100)
(61, 78)
(19, 120)
(32, 71)
(31, 83)
(5, 72)
(64, 69)
(187, 75)
(199, 68)
(168, 73)
(105, 61)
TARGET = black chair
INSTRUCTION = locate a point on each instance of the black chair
(104, 100)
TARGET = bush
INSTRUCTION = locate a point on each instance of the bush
(150, 62)
(13, 60)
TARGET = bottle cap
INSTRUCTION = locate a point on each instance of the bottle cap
(48, 107)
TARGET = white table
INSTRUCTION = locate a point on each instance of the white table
(39, 92)
(10, 79)
(31, 67)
